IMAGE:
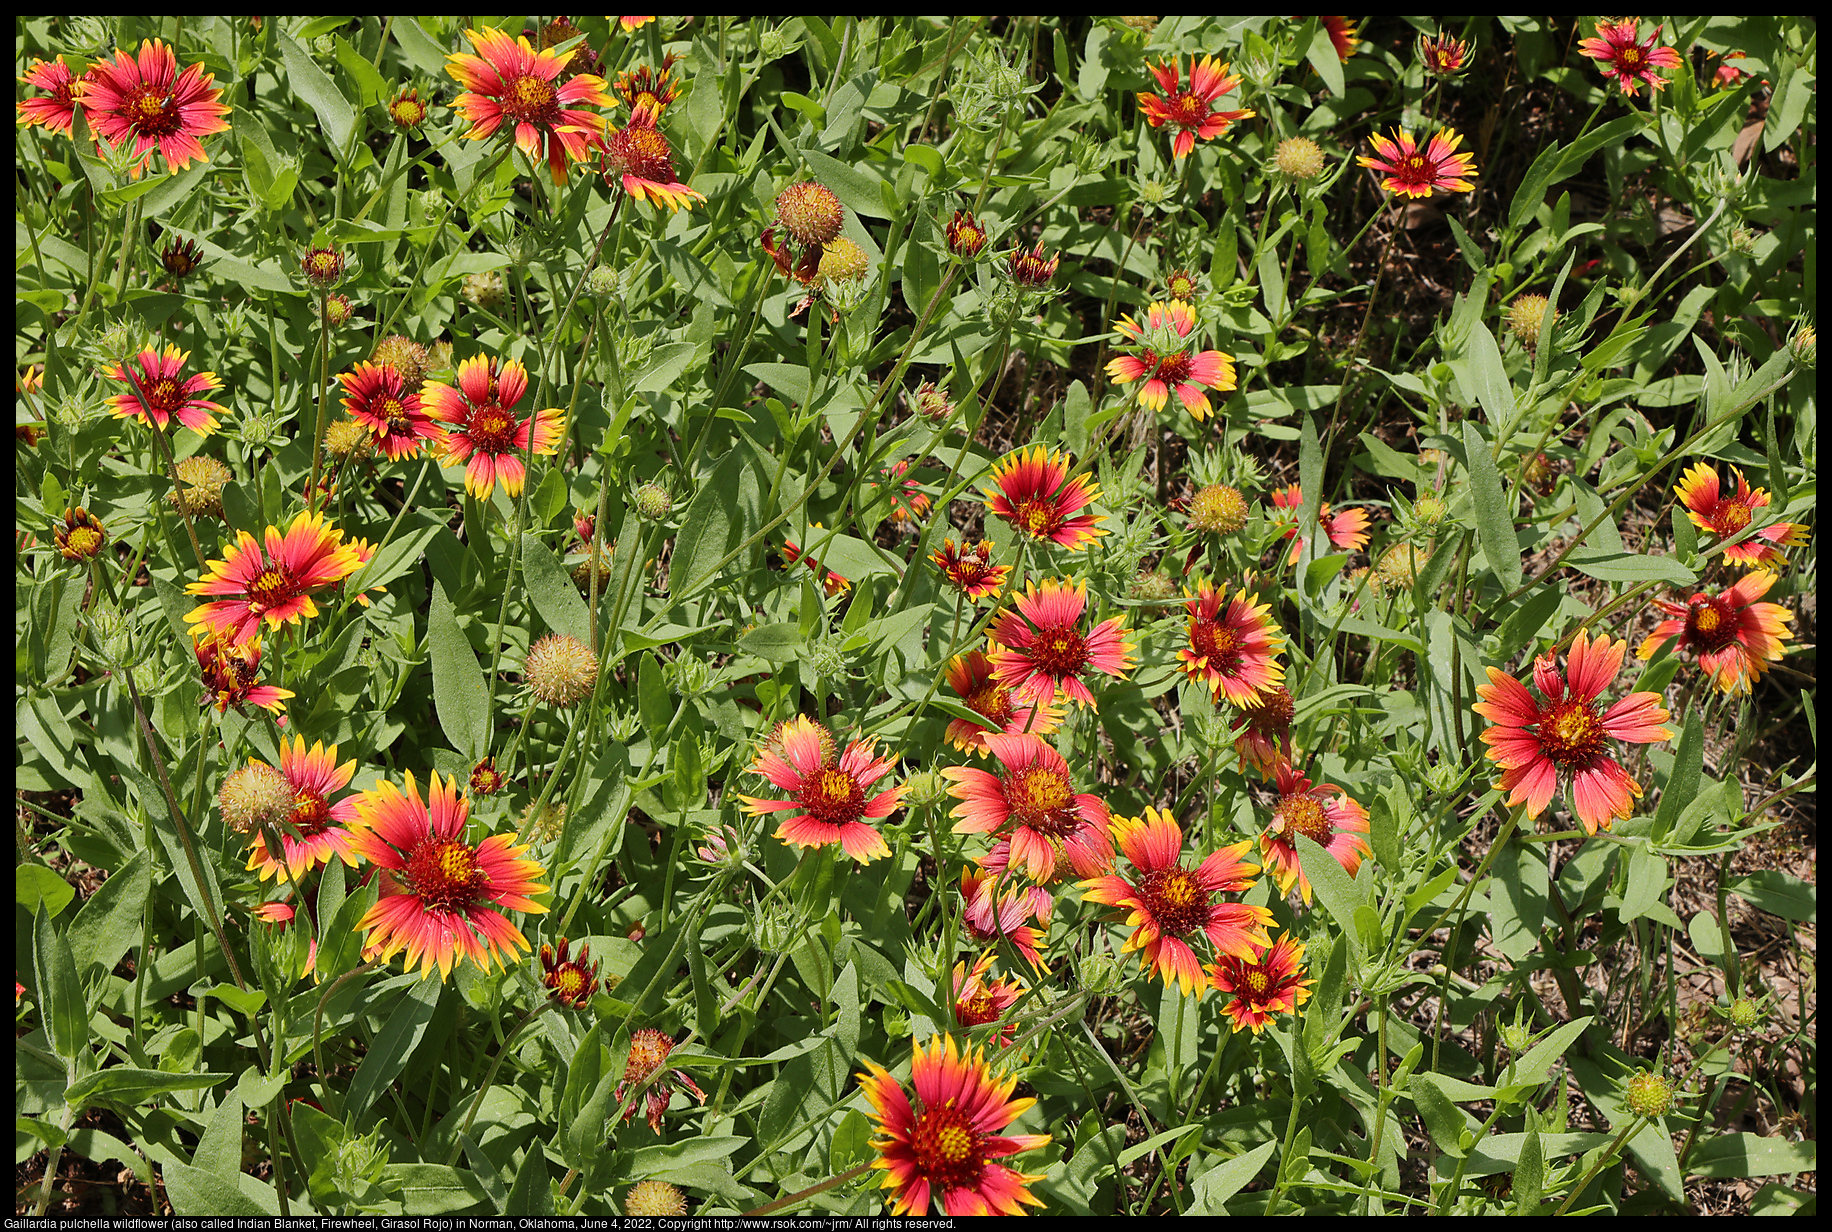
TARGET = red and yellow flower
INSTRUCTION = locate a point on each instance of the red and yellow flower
(649, 1051)
(1034, 796)
(1343, 35)
(1618, 54)
(940, 1149)
(1321, 813)
(979, 1001)
(1443, 55)
(1734, 637)
(974, 680)
(56, 111)
(274, 586)
(158, 394)
(509, 81)
(1169, 905)
(570, 981)
(1347, 529)
(1539, 746)
(1165, 365)
(991, 912)
(232, 674)
(1272, 983)
(1264, 724)
(1232, 651)
(1035, 494)
(81, 537)
(378, 398)
(147, 100)
(641, 158)
(1710, 510)
(1193, 111)
(831, 582)
(1412, 171)
(644, 85)
(1046, 651)
(826, 794)
(322, 826)
(481, 430)
(971, 571)
(442, 897)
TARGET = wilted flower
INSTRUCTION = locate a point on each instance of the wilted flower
(649, 1051)
(570, 981)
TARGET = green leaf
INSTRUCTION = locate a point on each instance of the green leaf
(194, 1191)
(552, 592)
(1322, 56)
(1531, 1069)
(426, 54)
(311, 83)
(109, 924)
(779, 643)
(654, 703)
(1647, 883)
(1494, 518)
(1556, 163)
(460, 695)
(1735, 1155)
(858, 189)
(709, 529)
(123, 1085)
(34, 884)
(789, 380)
(1339, 893)
(1777, 893)
(61, 1004)
(393, 1046)
(1443, 1120)
(1529, 1175)
(219, 1150)
(1214, 1187)
(663, 367)
(1682, 780)
(1611, 566)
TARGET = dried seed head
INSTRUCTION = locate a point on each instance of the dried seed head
(1299, 157)
(254, 796)
(200, 487)
(653, 1198)
(1529, 316)
(560, 669)
(347, 438)
(809, 212)
(1218, 509)
(841, 261)
(405, 356)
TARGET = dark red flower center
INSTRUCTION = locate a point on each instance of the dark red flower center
(1059, 651)
(1270, 712)
(1570, 733)
(311, 815)
(153, 111)
(643, 152)
(164, 394)
(1711, 625)
(273, 587)
(1256, 983)
(1176, 900)
(947, 1149)
(529, 100)
(1630, 59)
(445, 874)
(1215, 643)
(1303, 815)
(832, 795)
(492, 430)
(977, 1008)
(1189, 110)
(1040, 798)
(1730, 517)
(82, 542)
(1417, 165)
(1037, 516)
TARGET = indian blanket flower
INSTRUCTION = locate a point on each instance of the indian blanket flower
(831, 582)
(1035, 494)
(970, 570)
(992, 912)
(973, 679)
(940, 1149)
(645, 85)
(481, 430)
(442, 897)
(570, 981)
(649, 1051)
(1264, 724)
(1343, 35)
(1033, 795)
(1169, 905)
(509, 81)
(979, 1001)
(1444, 55)
(1231, 650)
(323, 827)
(1193, 112)
(1726, 516)
(826, 794)
(1321, 813)
(966, 235)
(81, 536)
(146, 99)
(1032, 271)
(1271, 983)
(274, 585)
(644, 159)
(232, 675)
(159, 395)
(1046, 651)
(1412, 171)
(379, 399)
(405, 110)
(1630, 62)
(909, 503)
(1165, 365)
(1347, 529)
(1541, 746)
(56, 111)
(1734, 637)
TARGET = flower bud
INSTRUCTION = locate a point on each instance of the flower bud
(322, 267)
